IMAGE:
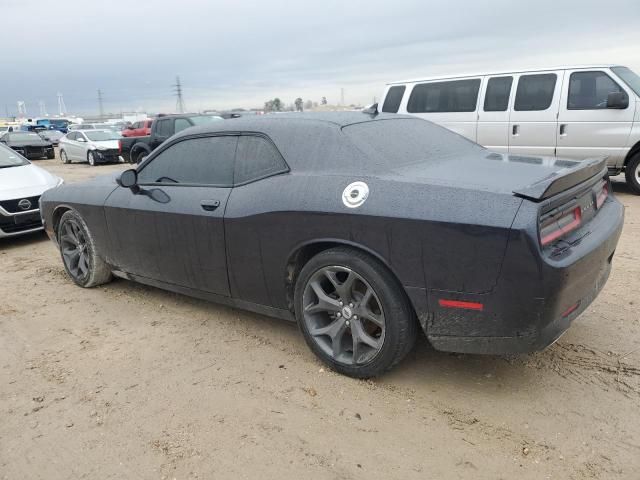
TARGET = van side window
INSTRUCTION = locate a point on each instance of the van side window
(497, 97)
(589, 90)
(393, 99)
(451, 96)
(535, 92)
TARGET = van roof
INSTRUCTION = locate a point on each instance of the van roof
(506, 72)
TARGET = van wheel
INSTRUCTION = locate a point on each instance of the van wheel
(632, 173)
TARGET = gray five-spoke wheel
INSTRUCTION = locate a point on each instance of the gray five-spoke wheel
(343, 315)
(74, 245)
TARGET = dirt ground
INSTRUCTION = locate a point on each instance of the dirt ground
(131, 382)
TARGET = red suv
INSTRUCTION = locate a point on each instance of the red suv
(138, 129)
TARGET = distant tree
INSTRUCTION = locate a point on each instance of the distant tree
(298, 104)
(323, 101)
(274, 105)
(308, 105)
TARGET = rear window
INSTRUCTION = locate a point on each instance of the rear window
(535, 92)
(450, 96)
(393, 99)
(396, 143)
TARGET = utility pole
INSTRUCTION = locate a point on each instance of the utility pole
(62, 109)
(179, 100)
(100, 105)
(342, 96)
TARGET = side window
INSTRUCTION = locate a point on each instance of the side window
(452, 96)
(136, 125)
(589, 90)
(393, 99)
(72, 136)
(497, 97)
(164, 128)
(535, 92)
(181, 124)
(256, 158)
(199, 161)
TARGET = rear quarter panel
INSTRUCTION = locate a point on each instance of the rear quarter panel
(429, 236)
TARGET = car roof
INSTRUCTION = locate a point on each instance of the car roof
(504, 72)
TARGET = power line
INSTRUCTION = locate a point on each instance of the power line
(62, 109)
(100, 105)
(179, 99)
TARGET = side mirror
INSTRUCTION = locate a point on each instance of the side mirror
(129, 179)
(80, 139)
(618, 100)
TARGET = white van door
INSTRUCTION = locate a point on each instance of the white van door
(493, 113)
(450, 103)
(533, 119)
(586, 126)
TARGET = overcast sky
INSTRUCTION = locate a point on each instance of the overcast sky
(241, 53)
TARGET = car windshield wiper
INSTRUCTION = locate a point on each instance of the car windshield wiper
(166, 179)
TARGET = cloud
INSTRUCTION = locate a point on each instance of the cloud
(242, 53)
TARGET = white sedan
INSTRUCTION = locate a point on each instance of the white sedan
(93, 146)
(21, 184)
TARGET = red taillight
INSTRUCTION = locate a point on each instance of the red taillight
(461, 304)
(560, 225)
(602, 195)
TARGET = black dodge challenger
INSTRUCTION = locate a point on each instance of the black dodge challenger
(361, 228)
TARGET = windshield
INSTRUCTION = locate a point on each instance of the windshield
(23, 137)
(629, 77)
(9, 158)
(202, 119)
(59, 123)
(102, 135)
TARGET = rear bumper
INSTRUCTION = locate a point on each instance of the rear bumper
(534, 302)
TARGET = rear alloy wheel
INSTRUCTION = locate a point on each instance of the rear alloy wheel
(78, 251)
(353, 315)
(64, 157)
(91, 158)
(632, 173)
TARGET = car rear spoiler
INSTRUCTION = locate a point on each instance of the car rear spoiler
(563, 179)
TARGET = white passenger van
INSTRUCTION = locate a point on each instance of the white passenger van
(572, 112)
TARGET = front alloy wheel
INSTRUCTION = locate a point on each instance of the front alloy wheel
(91, 157)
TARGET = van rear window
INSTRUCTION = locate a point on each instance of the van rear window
(393, 99)
(449, 96)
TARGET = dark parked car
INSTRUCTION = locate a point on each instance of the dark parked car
(29, 144)
(134, 149)
(361, 228)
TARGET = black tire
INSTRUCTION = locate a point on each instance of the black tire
(398, 334)
(91, 158)
(64, 157)
(139, 156)
(632, 173)
(95, 271)
(51, 155)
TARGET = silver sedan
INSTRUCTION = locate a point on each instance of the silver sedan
(93, 146)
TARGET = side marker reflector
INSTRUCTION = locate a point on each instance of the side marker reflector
(570, 310)
(461, 304)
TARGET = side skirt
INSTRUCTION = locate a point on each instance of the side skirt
(211, 297)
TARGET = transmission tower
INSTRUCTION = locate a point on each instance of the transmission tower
(100, 105)
(179, 100)
(22, 108)
(43, 109)
(62, 109)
